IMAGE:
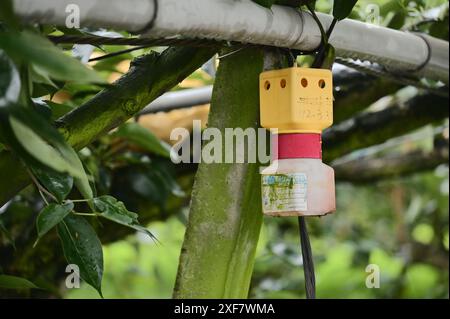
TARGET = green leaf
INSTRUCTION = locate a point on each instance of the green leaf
(162, 175)
(40, 149)
(83, 248)
(7, 14)
(343, 8)
(51, 216)
(265, 3)
(297, 3)
(114, 210)
(13, 282)
(440, 28)
(142, 137)
(40, 90)
(7, 234)
(41, 83)
(56, 183)
(37, 76)
(85, 189)
(9, 81)
(58, 109)
(47, 59)
(289, 3)
(42, 109)
(309, 3)
(59, 156)
(81, 182)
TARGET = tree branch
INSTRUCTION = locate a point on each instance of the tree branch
(149, 77)
(375, 127)
(355, 91)
(370, 169)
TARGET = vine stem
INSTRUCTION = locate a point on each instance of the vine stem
(77, 200)
(85, 214)
(43, 197)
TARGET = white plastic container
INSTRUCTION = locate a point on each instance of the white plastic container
(298, 187)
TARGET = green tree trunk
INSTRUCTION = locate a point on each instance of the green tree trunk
(225, 217)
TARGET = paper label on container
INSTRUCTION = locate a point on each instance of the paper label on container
(284, 192)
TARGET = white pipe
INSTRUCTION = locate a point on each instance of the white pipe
(180, 99)
(199, 96)
(119, 14)
(245, 21)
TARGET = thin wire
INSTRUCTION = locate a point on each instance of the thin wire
(428, 44)
(373, 69)
(135, 41)
(230, 53)
(117, 53)
(152, 21)
(380, 71)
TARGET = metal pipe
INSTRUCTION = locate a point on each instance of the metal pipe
(342, 76)
(128, 15)
(247, 22)
(180, 99)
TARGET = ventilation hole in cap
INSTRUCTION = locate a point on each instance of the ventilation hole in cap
(304, 82)
(322, 84)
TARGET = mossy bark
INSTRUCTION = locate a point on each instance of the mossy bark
(225, 217)
(375, 127)
(372, 168)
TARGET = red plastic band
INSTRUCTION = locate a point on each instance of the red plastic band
(298, 145)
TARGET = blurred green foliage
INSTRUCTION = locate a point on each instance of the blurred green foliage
(139, 268)
(382, 224)
(400, 225)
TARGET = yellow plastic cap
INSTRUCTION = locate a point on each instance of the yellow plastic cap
(296, 100)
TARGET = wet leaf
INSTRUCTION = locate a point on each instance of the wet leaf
(47, 59)
(59, 184)
(265, 3)
(114, 210)
(9, 81)
(51, 216)
(40, 149)
(343, 8)
(46, 144)
(142, 137)
(7, 14)
(13, 282)
(7, 234)
(83, 248)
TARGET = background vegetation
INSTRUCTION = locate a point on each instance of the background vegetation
(397, 222)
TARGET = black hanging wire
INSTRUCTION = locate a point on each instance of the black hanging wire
(307, 258)
(305, 244)
(308, 262)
